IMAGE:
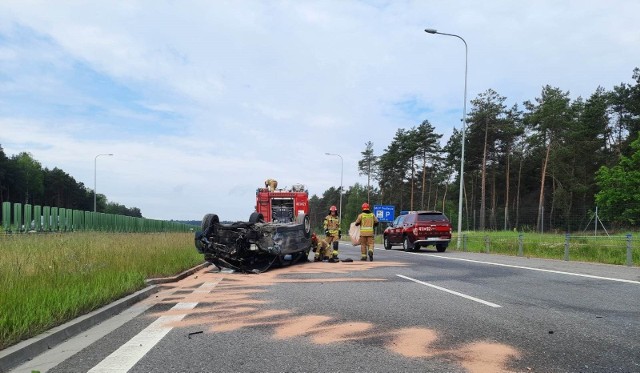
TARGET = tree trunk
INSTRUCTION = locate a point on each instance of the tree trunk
(506, 198)
(444, 197)
(542, 180)
(484, 179)
(435, 199)
(494, 221)
(412, 175)
(424, 178)
(429, 191)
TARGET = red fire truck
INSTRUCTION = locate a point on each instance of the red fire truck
(282, 205)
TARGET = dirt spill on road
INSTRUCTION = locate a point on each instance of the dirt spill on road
(413, 342)
(231, 305)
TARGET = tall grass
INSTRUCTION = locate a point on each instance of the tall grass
(599, 249)
(47, 280)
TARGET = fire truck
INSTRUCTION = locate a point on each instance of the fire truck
(282, 205)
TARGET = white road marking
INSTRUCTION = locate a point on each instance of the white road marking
(125, 357)
(452, 292)
(70, 347)
(539, 269)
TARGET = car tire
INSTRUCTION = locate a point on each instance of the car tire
(256, 217)
(306, 222)
(406, 245)
(387, 244)
(209, 221)
(441, 247)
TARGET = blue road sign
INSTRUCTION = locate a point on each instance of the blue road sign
(384, 213)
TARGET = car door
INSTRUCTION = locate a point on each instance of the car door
(395, 236)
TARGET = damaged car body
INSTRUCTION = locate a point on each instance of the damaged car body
(253, 246)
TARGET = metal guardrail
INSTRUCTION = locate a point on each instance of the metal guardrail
(18, 218)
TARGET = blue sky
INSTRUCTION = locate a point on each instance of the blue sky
(201, 101)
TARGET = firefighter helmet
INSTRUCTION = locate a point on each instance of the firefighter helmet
(365, 206)
(333, 208)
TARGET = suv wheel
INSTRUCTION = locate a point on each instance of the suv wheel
(387, 244)
(441, 247)
(406, 245)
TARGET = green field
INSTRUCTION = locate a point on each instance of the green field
(48, 279)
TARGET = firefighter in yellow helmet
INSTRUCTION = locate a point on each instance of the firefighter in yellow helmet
(320, 247)
(367, 221)
(332, 231)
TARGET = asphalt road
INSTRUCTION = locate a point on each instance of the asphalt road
(403, 312)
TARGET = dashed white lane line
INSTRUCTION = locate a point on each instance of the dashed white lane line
(540, 270)
(486, 303)
(125, 357)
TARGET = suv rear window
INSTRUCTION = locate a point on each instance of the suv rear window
(432, 217)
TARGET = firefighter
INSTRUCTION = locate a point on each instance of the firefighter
(320, 247)
(332, 231)
(367, 221)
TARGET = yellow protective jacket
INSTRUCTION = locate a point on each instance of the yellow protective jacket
(332, 224)
(366, 221)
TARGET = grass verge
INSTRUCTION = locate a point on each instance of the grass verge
(597, 249)
(53, 278)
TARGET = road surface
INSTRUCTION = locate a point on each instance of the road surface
(403, 312)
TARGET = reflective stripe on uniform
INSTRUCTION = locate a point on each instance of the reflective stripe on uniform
(366, 223)
(332, 224)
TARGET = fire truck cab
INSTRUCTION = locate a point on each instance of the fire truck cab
(282, 205)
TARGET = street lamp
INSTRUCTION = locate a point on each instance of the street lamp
(341, 174)
(95, 164)
(464, 124)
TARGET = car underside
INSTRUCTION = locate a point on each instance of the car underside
(253, 246)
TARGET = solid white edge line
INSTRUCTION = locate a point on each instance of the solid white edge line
(539, 269)
(452, 292)
(128, 355)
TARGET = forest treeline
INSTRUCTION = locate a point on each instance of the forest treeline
(546, 164)
(23, 180)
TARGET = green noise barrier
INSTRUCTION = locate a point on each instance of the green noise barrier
(28, 218)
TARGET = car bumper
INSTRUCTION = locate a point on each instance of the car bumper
(432, 241)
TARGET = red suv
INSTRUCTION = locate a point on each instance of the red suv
(418, 229)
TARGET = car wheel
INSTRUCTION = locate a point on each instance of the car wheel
(209, 222)
(441, 247)
(256, 217)
(387, 244)
(306, 222)
(406, 245)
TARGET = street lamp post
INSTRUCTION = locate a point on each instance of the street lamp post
(464, 129)
(95, 174)
(341, 174)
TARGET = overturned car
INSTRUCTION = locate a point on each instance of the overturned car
(256, 245)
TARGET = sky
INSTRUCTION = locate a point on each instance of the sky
(201, 101)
